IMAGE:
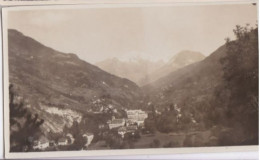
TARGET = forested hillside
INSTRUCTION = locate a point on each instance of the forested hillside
(221, 91)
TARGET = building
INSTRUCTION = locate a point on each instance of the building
(52, 143)
(70, 138)
(122, 131)
(63, 141)
(129, 129)
(116, 123)
(130, 122)
(89, 137)
(136, 116)
(101, 126)
(178, 109)
(132, 114)
(41, 144)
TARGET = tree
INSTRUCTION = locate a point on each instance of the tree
(22, 134)
(240, 68)
(167, 121)
(114, 141)
(79, 142)
(150, 123)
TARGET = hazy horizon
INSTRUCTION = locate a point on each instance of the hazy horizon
(153, 33)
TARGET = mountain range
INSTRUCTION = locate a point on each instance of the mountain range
(55, 84)
(143, 71)
(134, 70)
(178, 61)
(61, 88)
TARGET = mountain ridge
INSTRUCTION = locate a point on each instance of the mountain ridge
(49, 78)
(132, 69)
(143, 71)
(178, 61)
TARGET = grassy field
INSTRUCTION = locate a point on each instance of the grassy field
(146, 140)
(173, 140)
(190, 139)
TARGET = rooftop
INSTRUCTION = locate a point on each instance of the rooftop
(122, 129)
(43, 140)
(117, 121)
(131, 128)
(62, 139)
(88, 134)
(130, 112)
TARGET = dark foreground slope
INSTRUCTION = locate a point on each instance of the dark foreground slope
(220, 91)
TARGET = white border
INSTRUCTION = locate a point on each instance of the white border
(73, 2)
(52, 154)
(1, 95)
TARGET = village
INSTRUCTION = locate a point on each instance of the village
(129, 125)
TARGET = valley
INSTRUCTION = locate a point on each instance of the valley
(185, 99)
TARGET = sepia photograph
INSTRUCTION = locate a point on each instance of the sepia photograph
(95, 78)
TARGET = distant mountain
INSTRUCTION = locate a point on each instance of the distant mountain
(143, 71)
(60, 87)
(133, 70)
(178, 61)
(186, 57)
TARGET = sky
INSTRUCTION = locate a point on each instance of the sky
(153, 33)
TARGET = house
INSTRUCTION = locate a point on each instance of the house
(158, 112)
(140, 121)
(70, 138)
(101, 126)
(122, 131)
(136, 116)
(130, 122)
(89, 137)
(115, 110)
(132, 114)
(63, 141)
(129, 129)
(141, 125)
(52, 143)
(178, 109)
(41, 144)
(116, 123)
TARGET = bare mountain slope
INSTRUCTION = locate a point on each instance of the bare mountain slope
(60, 86)
(178, 61)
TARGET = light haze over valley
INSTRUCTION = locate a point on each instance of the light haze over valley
(133, 77)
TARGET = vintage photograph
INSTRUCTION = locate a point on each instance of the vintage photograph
(130, 77)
